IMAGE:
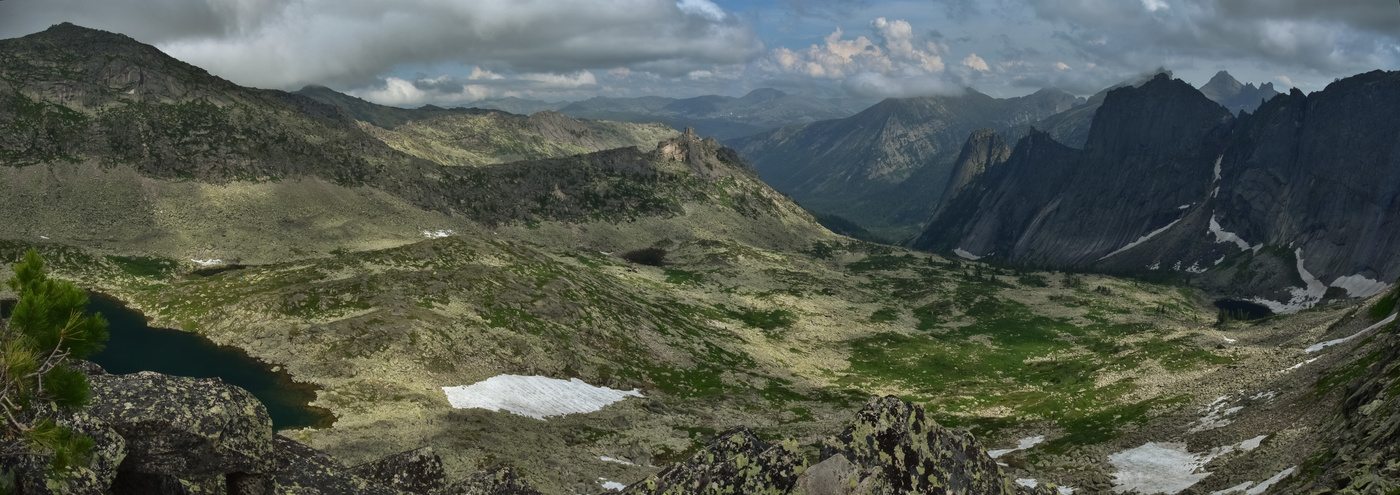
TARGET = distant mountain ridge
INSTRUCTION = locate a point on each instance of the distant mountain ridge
(723, 117)
(1230, 93)
(1281, 204)
(892, 160)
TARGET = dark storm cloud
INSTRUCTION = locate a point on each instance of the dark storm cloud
(287, 43)
(1293, 35)
(1381, 16)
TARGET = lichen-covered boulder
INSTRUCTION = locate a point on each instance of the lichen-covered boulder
(416, 471)
(306, 471)
(833, 476)
(502, 481)
(904, 451)
(735, 462)
(187, 428)
(90, 477)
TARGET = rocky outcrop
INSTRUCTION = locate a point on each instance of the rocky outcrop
(735, 462)
(892, 447)
(157, 434)
(415, 471)
(184, 427)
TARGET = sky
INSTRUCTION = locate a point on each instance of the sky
(415, 52)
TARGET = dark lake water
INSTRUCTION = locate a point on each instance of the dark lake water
(136, 346)
(1244, 310)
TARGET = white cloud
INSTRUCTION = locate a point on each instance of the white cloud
(896, 63)
(1285, 80)
(1155, 5)
(1061, 66)
(976, 63)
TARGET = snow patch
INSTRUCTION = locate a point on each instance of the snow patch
(966, 255)
(612, 485)
(44, 237)
(1159, 468)
(1215, 192)
(208, 262)
(1360, 286)
(1183, 207)
(1228, 340)
(1302, 297)
(1027, 482)
(437, 234)
(1299, 365)
(1265, 395)
(1195, 268)
(1141, 239)
(1215, 415)
(1217, 167)
(1257, 490)
(534, 396)
(1252, 443)
(1065, 490)
(1317, 347)
(619, 461)
(1217, 262)
(1024, 444)
(1221, 235)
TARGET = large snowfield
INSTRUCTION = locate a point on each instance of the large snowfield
(535, 396)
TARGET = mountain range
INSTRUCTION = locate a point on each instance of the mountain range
(723, 117)
(1281, 204)
(887, 167)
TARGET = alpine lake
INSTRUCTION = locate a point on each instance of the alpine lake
(135, 346)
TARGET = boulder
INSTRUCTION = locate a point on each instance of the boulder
(187, 428)
(90, 477)
(306, 471)
(416, 471)
(735, 462)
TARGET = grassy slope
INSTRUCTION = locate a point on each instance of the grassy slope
(488, 139)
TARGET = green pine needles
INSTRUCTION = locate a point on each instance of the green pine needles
(45, 328)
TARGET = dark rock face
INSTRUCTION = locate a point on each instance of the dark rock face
(184, 427)
(1306, 187)
(984, 149)
(1054, 205)
(417, 471)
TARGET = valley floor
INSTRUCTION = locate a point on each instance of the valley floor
(1090, 382)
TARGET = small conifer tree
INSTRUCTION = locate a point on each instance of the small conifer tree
(45, 328)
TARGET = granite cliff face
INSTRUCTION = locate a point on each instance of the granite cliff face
(1282, 204)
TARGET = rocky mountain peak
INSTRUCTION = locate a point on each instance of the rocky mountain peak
(1229, 92)
(1163, 116)
(89, 68)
